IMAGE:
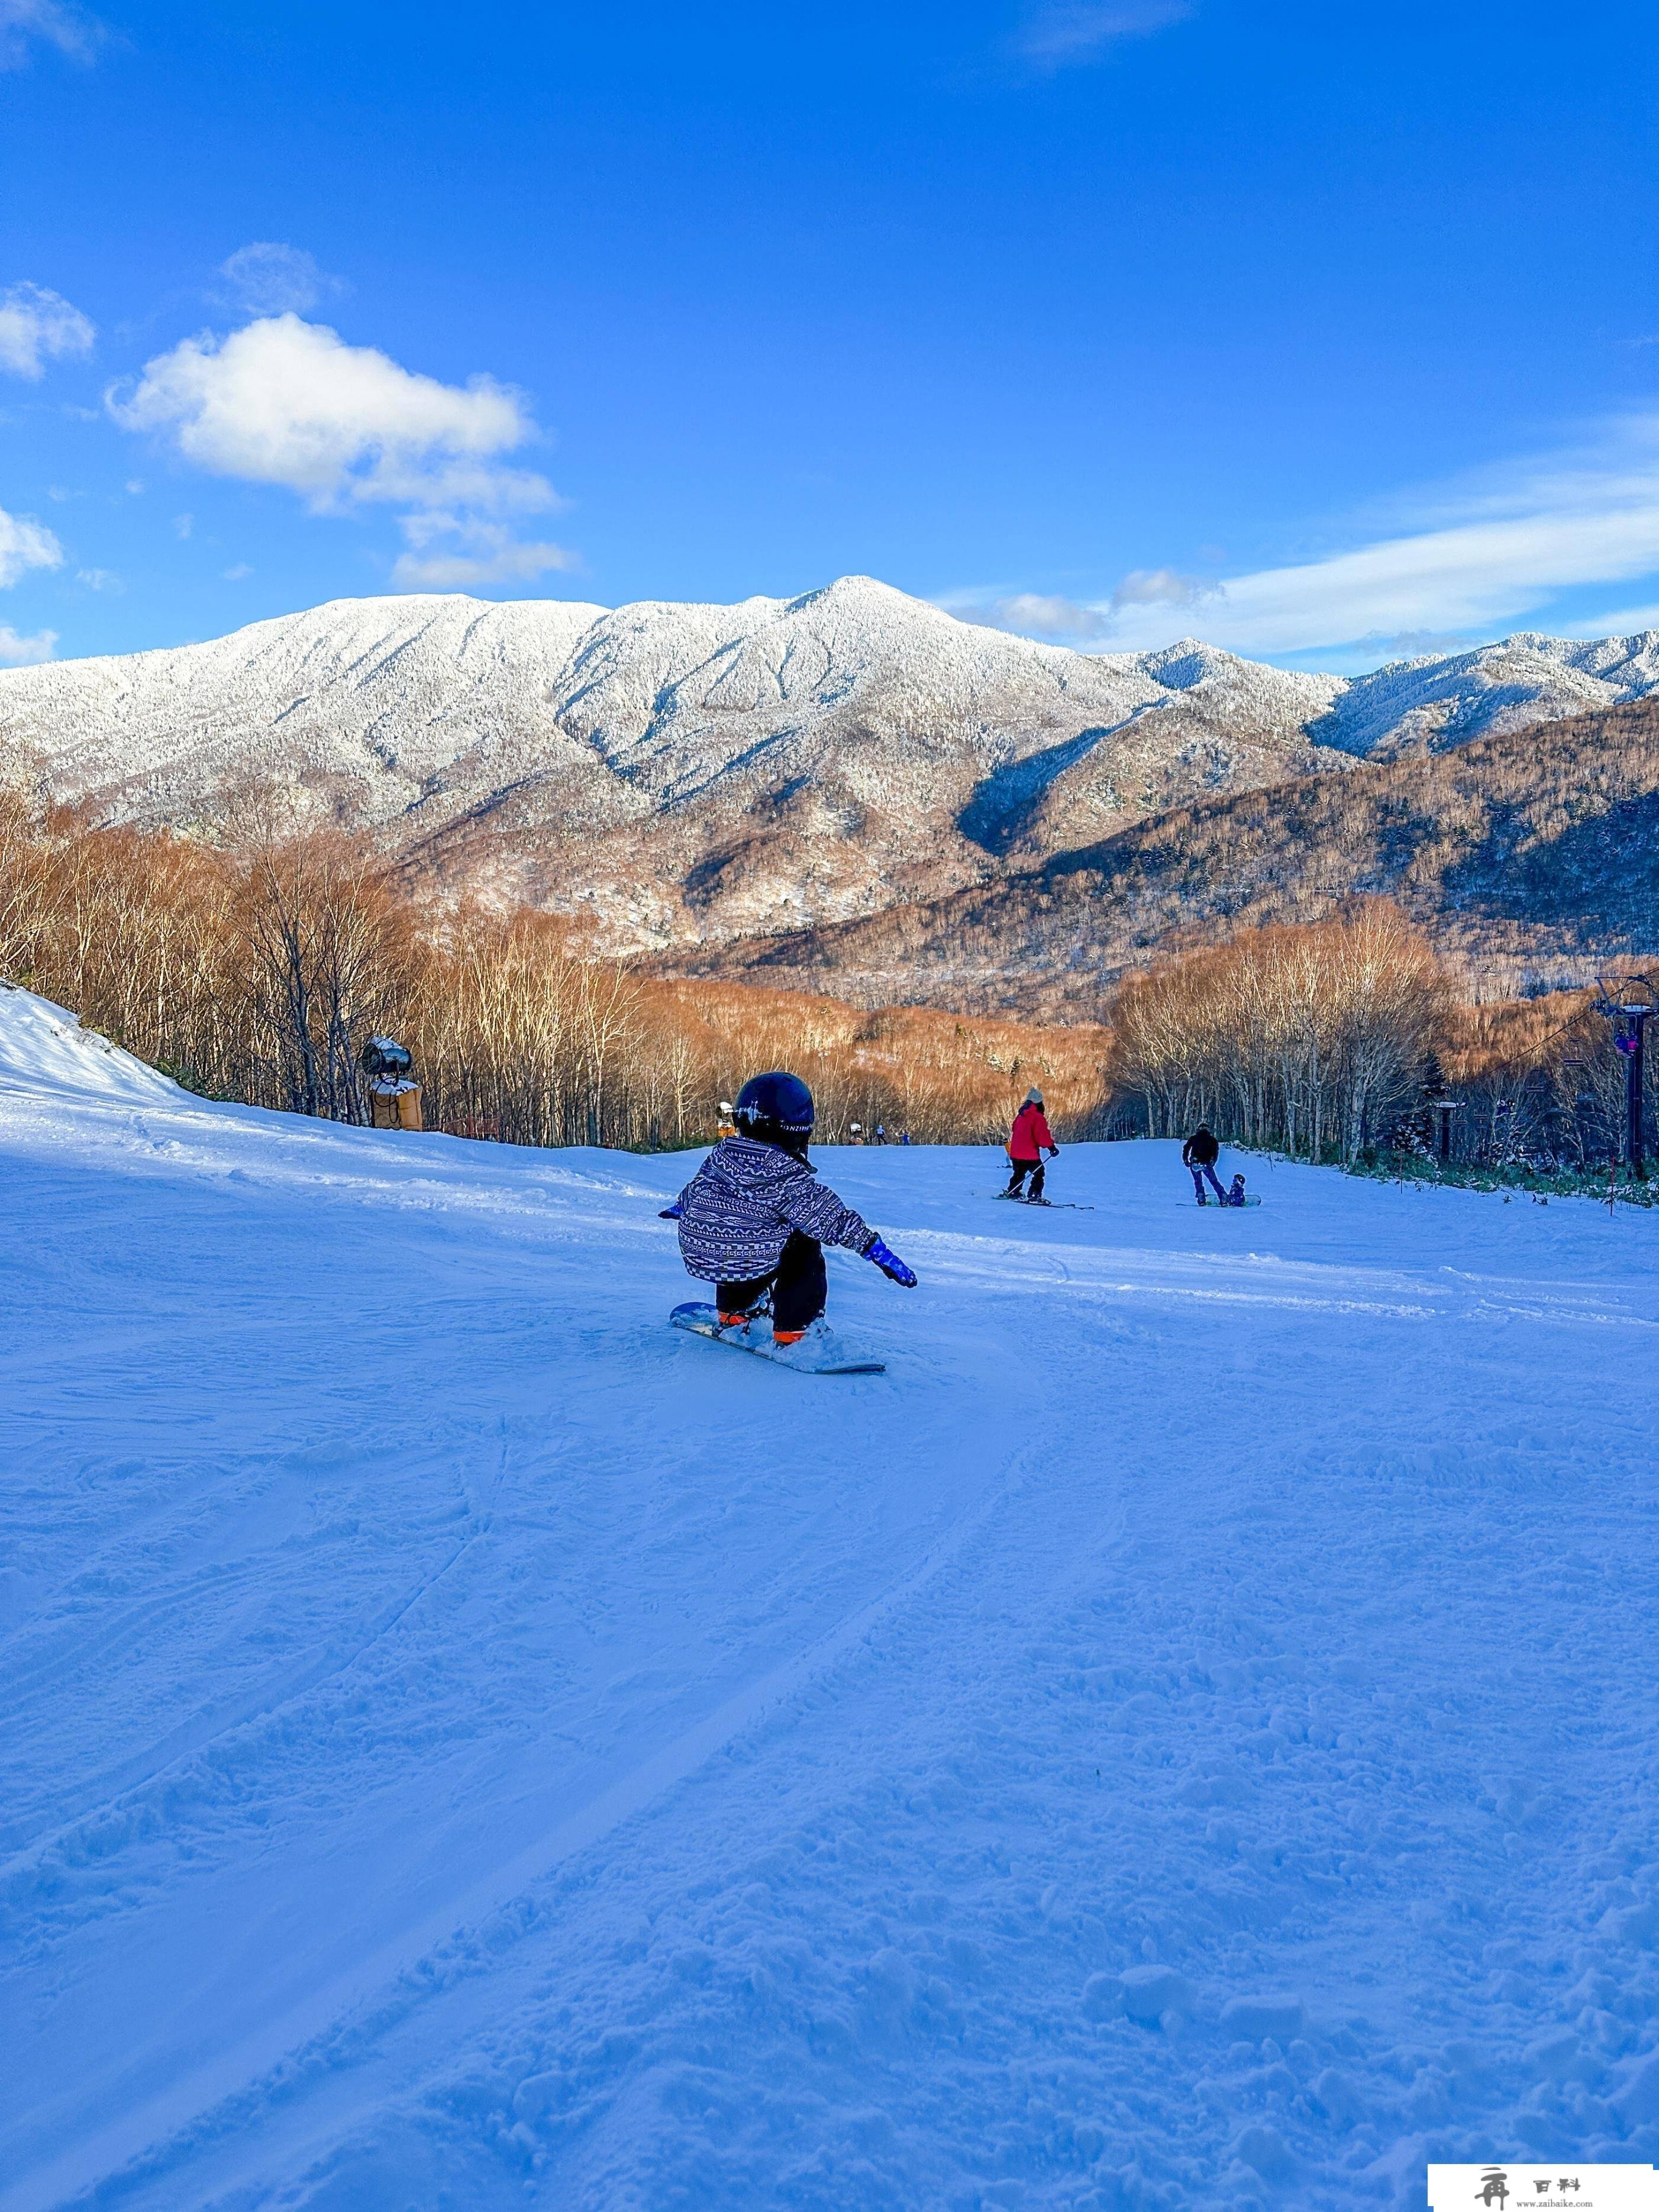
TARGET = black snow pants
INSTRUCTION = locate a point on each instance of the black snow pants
(799, 1284)
(1035, 1169)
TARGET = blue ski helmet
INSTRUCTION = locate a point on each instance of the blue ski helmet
(776, 1109)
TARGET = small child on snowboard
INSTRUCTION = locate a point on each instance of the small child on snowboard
(755, 1218)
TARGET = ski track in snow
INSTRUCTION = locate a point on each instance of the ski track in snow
(1182, 1737)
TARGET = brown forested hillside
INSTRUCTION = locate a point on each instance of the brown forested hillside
(1526, 857)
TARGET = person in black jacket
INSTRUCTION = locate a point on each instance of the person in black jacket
(1199, 1153)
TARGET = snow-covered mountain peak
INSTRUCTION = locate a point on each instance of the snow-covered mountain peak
(1438, 700)
(703, 769)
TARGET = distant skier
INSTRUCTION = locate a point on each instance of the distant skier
(1199, 1153)
(755, 1218)
(1028, 1140)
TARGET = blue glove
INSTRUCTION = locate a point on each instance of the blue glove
(891, 1265)
(669, 1213)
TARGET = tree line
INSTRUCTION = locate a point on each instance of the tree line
(1340, 1040)
(258, 969)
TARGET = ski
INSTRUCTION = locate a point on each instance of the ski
(820, 1351)
(1053, 1205)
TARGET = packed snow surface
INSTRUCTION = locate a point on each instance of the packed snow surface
(1183, 1737)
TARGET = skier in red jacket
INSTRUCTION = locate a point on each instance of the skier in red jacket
(1027, 1143)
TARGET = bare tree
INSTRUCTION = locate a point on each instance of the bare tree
(329, 956)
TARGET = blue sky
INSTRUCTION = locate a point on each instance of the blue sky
(1329, 334)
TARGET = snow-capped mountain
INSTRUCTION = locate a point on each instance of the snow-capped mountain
(679, 771)
(1429, 704)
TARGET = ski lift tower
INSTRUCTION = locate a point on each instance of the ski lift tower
(1630, 1002)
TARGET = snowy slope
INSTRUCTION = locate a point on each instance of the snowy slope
(1183, 1737)
(43, 1051)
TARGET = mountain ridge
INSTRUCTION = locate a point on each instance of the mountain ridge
(1530, 856)
(680, 775)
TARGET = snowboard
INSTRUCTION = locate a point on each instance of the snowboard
(820, 1351)
(1214, 1205)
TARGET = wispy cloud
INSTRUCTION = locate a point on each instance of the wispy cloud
(1621, 622)
(1161, 587)
(455, 551)
(1057, 34)
(17, 652)
(25, 544)
(1050, 615)
(37, 326)
(1031, 614)
(267, 278)
(1460, 561)
(286, 402)
(26, 25)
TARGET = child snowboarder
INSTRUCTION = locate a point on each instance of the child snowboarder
(755, 1218)
(1235, 1192)
(1199, 1153)
(1027, 1142)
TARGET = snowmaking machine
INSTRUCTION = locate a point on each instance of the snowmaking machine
(394, 1096)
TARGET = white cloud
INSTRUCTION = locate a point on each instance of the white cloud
(23, 23)
(239, 574)
(183, 525)
(286, 402)
(1622, 622)
(36, 326)
(25, 544)
(17, 652)
(1031, 614)
(1058, 34)
(99, 580)
(479, 553)
(1050, 615)
(1465, 560)
(271, 279)
(1161, 587)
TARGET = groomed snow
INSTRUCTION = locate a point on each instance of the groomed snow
(1184, 1737)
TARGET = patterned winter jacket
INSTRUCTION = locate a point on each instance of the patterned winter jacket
(738, 1210)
